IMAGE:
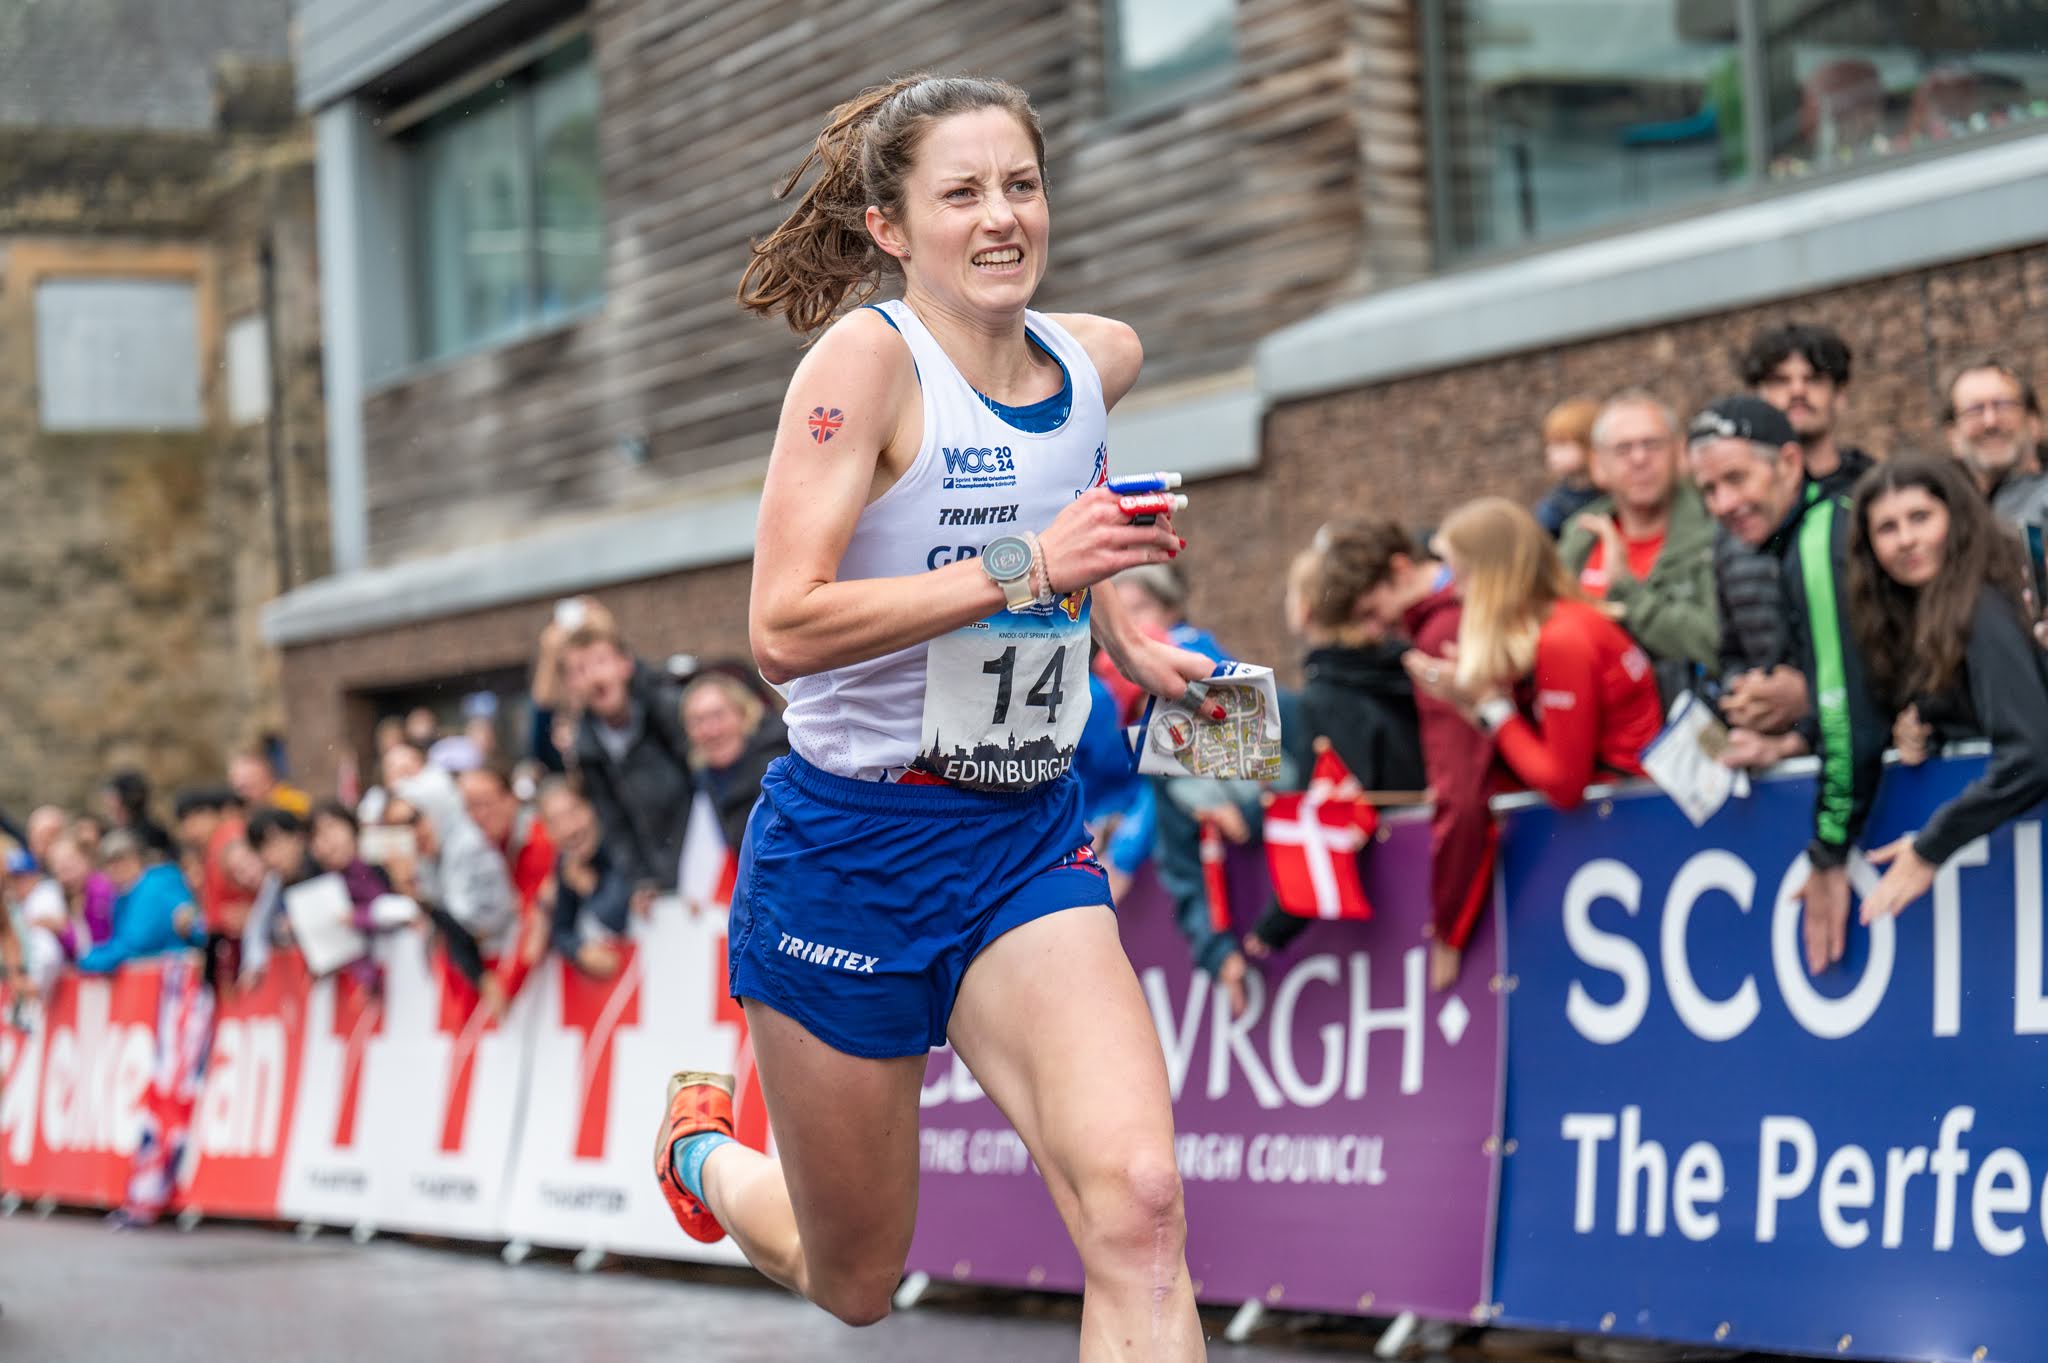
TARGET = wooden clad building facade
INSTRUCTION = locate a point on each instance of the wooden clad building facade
(1203, 223)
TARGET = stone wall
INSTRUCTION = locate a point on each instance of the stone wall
(133, 566)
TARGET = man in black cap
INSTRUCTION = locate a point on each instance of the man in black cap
(1750, 468)
(1803, 371)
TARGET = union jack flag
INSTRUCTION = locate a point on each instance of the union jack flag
(824, 424)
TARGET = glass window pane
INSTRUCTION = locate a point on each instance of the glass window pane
(1855, 81)
(475, 215)
(571, 217)
(1155, 45)
(1563, 115)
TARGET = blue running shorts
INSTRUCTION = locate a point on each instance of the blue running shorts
(860, 904)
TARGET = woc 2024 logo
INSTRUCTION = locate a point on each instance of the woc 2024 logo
(979, 466)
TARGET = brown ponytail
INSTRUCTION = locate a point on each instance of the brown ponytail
(821, 259)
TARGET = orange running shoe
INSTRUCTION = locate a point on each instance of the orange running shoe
(698, 1101)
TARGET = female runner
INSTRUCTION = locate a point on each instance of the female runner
(917, 870)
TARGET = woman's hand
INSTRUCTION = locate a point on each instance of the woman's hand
(1443, 966)
(1162, 669)
(1914, 738)
(1230, 979)
(1091, 541)
(1825, 920)
(1908, 878)
(1438, 678)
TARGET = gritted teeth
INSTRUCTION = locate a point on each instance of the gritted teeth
(1002, 255)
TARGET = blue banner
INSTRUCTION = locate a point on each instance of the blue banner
(1709, 1145)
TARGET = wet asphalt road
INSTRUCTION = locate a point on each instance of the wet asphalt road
(74, 1291)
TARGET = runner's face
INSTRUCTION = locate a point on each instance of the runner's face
(975, 231)
(1909, 535)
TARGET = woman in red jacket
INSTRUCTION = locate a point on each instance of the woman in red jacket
(1568, 697)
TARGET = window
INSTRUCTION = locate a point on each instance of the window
(1563, 114)
(1156, 47)
(1852, 83)
(118, 355)
(509, 210)
(1550, 117)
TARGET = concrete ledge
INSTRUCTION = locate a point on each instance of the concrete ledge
(1201, 429)
(554, 562)
(1952, 207)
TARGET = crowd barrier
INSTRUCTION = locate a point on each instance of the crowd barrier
(1634, 1114)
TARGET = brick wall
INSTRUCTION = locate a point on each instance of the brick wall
(1416, 447)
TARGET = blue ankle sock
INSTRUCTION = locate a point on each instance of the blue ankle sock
(687, 1158)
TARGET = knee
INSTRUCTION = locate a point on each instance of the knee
(1132, 1208)
(859, 1300)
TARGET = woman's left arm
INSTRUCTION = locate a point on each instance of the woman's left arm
(1112, 345)
(2009, 688)
(1160, 668)
(1557, 760)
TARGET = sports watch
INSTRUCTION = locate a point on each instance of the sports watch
(1007, 561)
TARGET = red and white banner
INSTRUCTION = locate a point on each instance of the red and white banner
(408, 1105)
(76, 1082)
(401, 1108)
(602, 1054)
(245, 1110)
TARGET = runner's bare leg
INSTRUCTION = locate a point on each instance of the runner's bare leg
(831, 1216)
(1051, 1020)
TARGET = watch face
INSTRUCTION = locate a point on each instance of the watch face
(1007, 559)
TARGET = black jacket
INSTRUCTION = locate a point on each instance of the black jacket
(610, 903)
(642, 799)
(2002, 694)
(1753, 634)
(1847, 728)
(1362, 701)
(734, 789)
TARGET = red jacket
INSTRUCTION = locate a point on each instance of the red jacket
(531, 860)
(223, 903)
(1595, 707)
(1458, 760)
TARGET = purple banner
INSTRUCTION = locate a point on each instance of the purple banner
(1336, 1142)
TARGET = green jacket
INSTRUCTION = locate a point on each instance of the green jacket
(1671, 613)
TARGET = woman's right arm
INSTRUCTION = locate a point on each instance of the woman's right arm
(801, 618)
(2009, 688)
(1558, 760)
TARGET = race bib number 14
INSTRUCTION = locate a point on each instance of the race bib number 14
(1006, 698)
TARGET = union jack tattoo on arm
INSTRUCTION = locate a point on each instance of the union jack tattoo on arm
(825, 423)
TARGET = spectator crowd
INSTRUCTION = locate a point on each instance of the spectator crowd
(1821, 601)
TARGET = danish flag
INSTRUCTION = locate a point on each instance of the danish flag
(1313, 840)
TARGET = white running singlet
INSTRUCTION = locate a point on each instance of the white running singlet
(999, 704)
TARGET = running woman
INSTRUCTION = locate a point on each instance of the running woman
(917, 870)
